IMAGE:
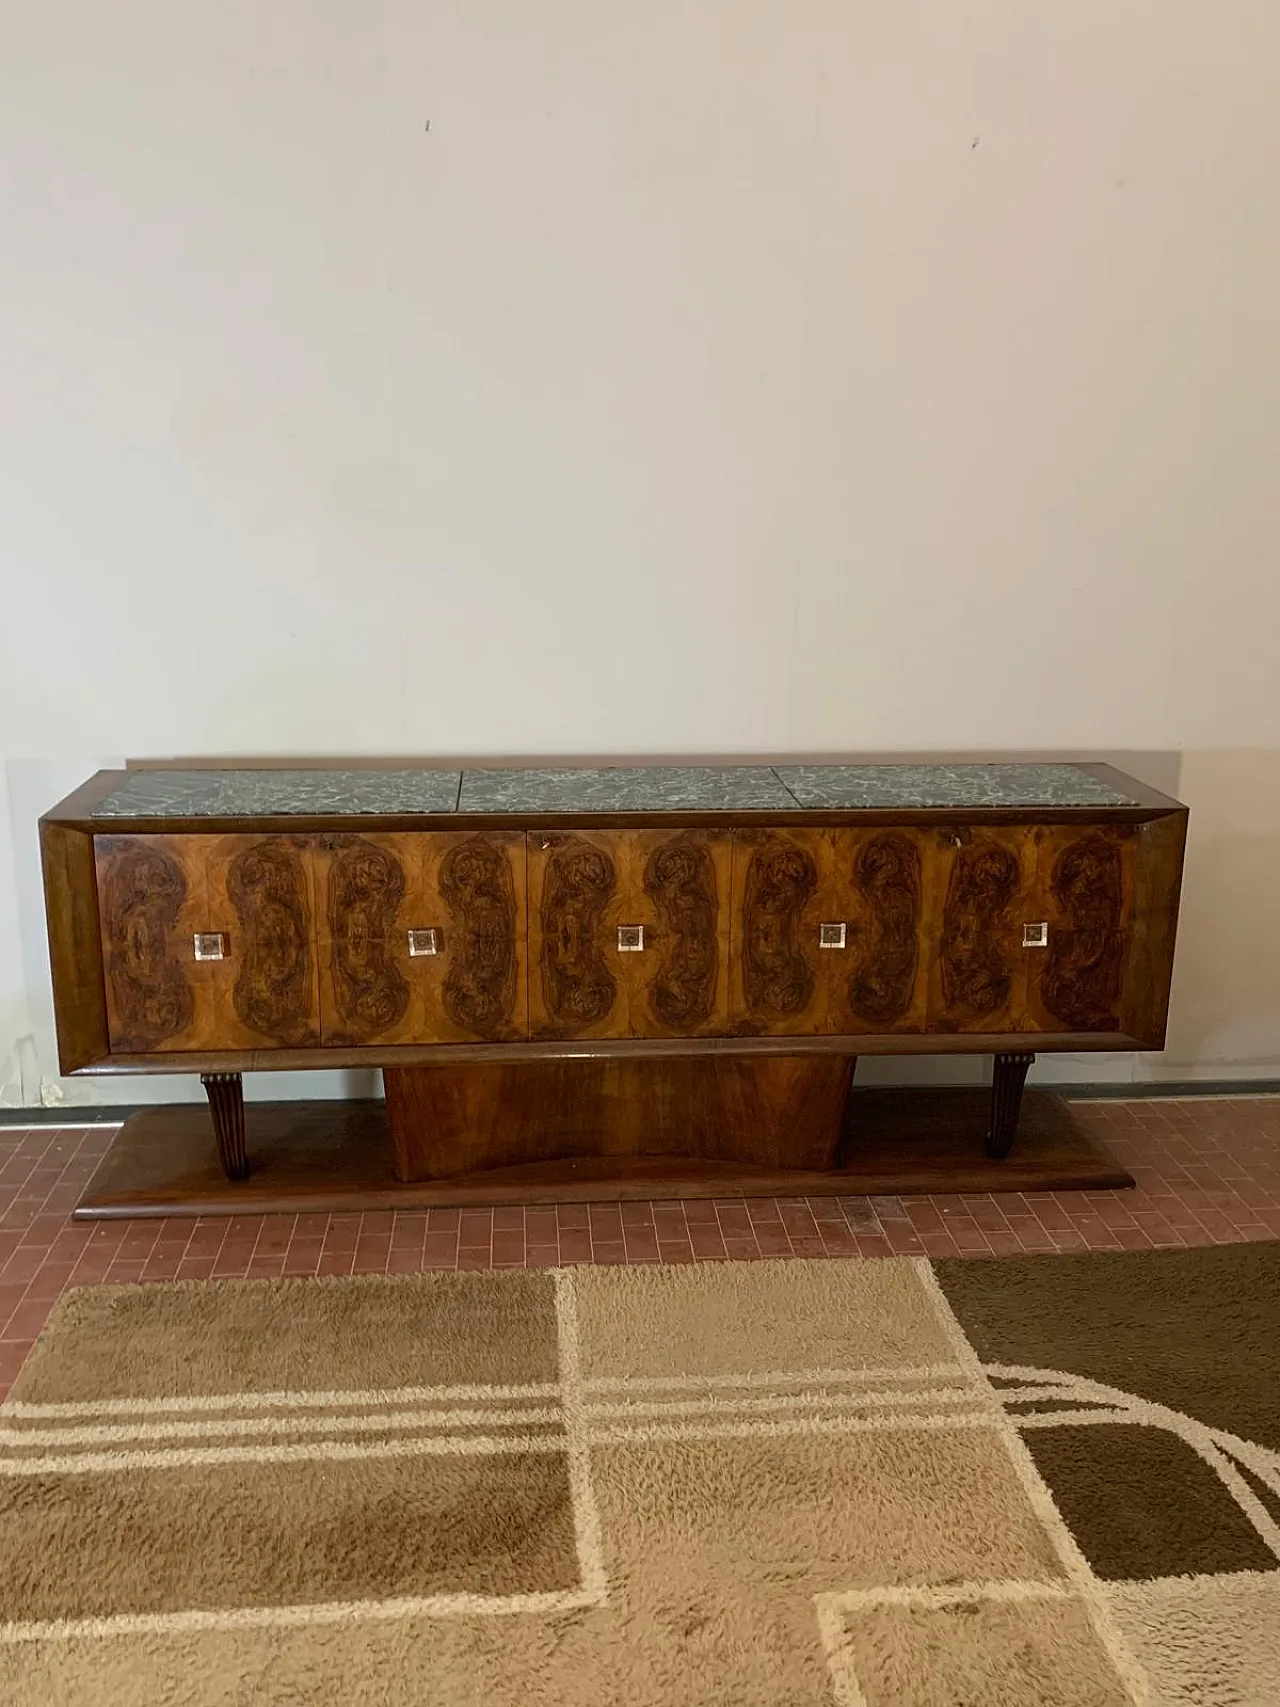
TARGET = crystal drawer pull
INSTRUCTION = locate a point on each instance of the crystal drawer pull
(423, 942)
(1035, 936)
(211, 945)
(630, 939)
(832, 935)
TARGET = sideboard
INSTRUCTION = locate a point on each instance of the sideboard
(565, 962)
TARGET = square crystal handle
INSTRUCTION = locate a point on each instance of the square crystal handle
(423, 942)
(211, 945)
(831, 935)
(630, 939)
(1035, 936)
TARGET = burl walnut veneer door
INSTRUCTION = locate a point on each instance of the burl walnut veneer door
(422, 938)
(208, 942)
(628, 933)
(983, 892)
(1085, 895)
(827, 932)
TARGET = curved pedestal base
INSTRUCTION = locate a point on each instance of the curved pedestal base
(778, 1111)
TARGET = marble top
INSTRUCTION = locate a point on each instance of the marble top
(264, 793)
(621, 789)
(847, 787)
(666, 788)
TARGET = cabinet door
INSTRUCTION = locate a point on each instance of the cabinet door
(879, 983)
(827, 932)
(983, 881)
(261, 896)
(249, 984)
(422, 938)
(152, 900)
(629, 933)
(1084, 893)
(780, 882)
(577, 983)
(677, 889)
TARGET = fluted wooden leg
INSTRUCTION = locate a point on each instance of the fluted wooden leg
(1006, 1102)
(226, 1103)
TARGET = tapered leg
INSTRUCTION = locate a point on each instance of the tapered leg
(1006, 1102)
(226, 1103)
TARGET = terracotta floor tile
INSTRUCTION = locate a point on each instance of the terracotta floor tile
(701, 1211)
(1208, 1172)
(773, 1243)
(839, 1241)
(671, 1224)
(27, 1320)
(609, 1251)
(195, 1268)
(642, 1244)
(1006, 1244)
(904, 1241)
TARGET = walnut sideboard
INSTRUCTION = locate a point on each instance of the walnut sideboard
(621, 962)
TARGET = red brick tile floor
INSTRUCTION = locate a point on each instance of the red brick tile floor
(1207, 1171)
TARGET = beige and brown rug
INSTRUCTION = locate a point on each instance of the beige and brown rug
(1049, 1482)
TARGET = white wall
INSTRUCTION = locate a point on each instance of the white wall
(708, 377)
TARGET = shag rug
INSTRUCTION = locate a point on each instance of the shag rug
(1046, 1482)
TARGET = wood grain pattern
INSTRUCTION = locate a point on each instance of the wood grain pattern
(269, 887)
(142, 890)
(476, 884)
(779, 1111)
(675, 887)
(469, 889)
(336, 1156)
(778, 976)
(578, 989)
(887, 879)
(1087, 898)
(933, 908)
(978, 978)
(787, 884)
(680, 880)
(75, 946)
(157, 892)
(365, 889)
(248, 1060)
(1158, 850)
(678, 888)
(225, 1092)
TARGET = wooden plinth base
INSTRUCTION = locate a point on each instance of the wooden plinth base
(774, 1111)
(316, 1156)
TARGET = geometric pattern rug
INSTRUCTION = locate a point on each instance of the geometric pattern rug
(1032, 1482)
